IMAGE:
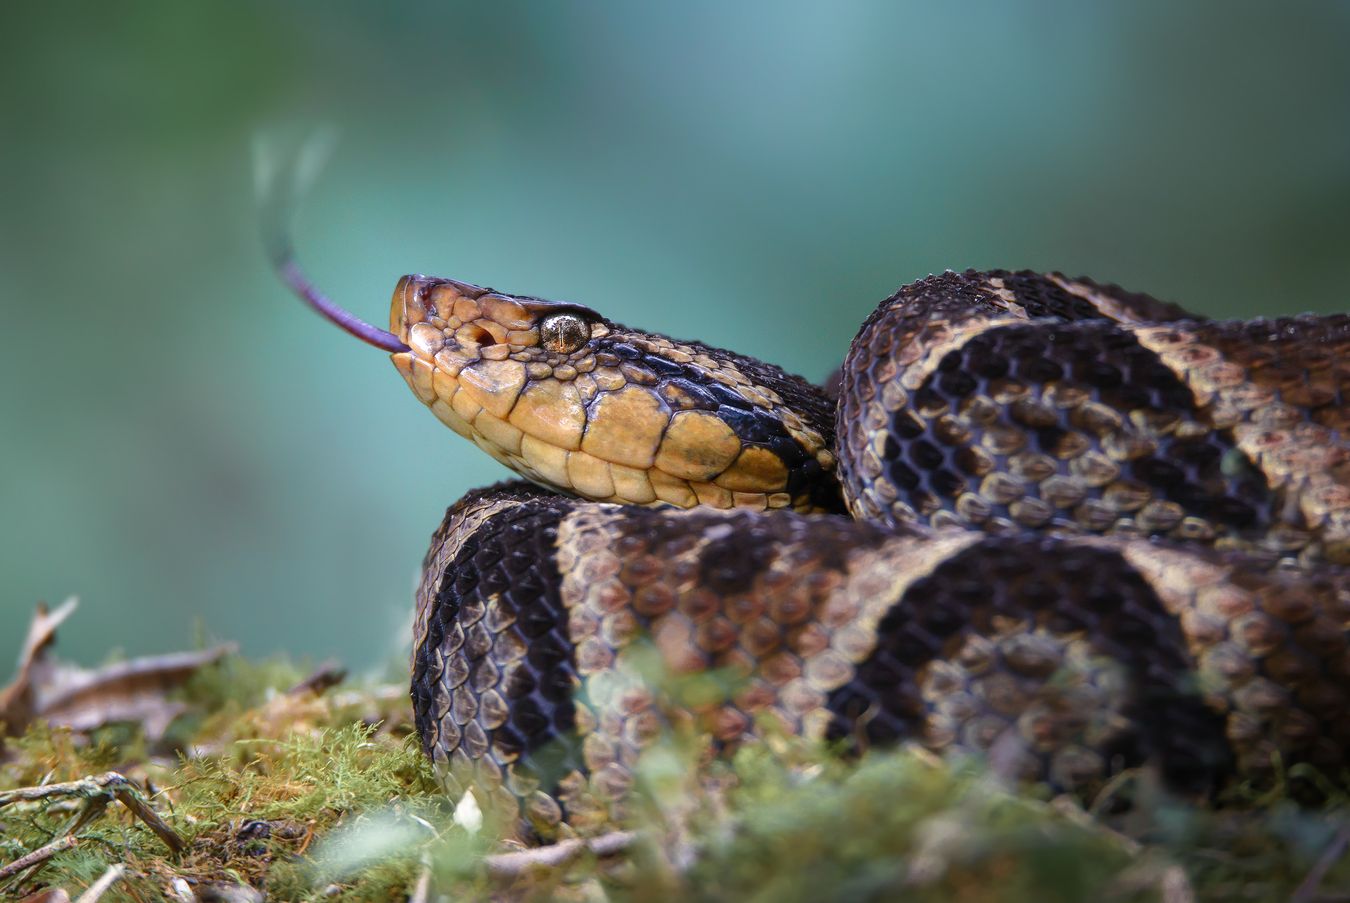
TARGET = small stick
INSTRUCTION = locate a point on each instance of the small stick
(308, 839)
(1307, 891)
(130, 798)
(82, 787)
(100, 887)
(92, 809)
(1176, 887)
(98, 790)
(513, 865)
(1071, 810)
(17, 699)
(327, 675)
(41, 854)
(422, 890)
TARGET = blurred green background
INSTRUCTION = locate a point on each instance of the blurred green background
(182, 444)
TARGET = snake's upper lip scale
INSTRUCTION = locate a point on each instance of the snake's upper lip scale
(294, 277)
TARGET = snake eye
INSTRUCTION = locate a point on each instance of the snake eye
(564, 333)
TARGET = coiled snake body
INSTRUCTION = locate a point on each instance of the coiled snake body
(1089, 530)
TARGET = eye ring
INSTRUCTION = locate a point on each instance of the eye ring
(564, 333)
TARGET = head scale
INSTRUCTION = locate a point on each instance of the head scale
(585, 406)
(575, 402)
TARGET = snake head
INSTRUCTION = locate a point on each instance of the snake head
(580, 404)
(475, 354)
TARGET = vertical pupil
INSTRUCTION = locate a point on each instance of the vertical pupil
(565, 332)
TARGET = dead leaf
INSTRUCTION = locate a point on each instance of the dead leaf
(81, 699)
(18, 700)
(135, 690)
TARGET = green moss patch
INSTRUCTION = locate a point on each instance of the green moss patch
(304, 796)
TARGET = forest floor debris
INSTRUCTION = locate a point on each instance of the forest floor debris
(281, 783)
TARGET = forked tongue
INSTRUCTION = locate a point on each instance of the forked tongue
(279, 179)
(293, 276)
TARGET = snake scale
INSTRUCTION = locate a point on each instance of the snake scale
(1087, 530)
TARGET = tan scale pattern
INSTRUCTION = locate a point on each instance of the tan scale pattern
(787, 642)
(657, 598)
(1271, 648)
(1280, 387)
(1275, 387)
(460, 524)
(476, 667)
(902, 341)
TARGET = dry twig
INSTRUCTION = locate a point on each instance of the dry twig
(1176, 887)
(100, 887)
(41, 854)
(1307, 891)
(323, 678)
(421, 892)
(98, 791)
(505, 866)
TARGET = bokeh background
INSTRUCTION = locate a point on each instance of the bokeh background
(190, 451)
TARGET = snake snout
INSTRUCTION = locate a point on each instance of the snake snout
(411, 303)
(436, 301)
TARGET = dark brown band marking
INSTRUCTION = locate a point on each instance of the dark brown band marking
(1061, 589)
(495, 676)
(930, 463)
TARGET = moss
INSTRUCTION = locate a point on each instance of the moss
(273, 773)
(329, 797)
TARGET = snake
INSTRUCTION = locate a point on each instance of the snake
(1035, 519)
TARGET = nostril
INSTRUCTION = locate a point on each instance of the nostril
(476, 334)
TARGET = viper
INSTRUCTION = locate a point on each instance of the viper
(1034, 518)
